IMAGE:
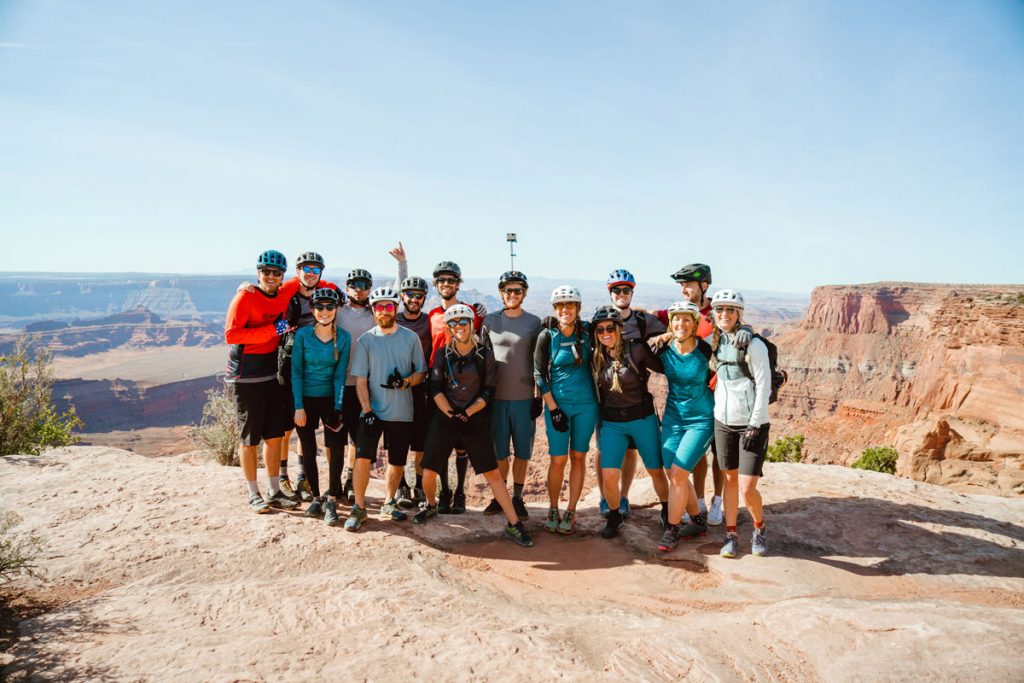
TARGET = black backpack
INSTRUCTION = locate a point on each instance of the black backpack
(779, 377)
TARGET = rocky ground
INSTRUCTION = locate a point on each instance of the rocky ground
(155, 568)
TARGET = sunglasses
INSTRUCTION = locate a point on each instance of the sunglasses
(726, 309)
(314, 270)
(458, 323)
(562, 304)
(446, 281)
(384, 308)
(325, 307)
(415, 296)
(514, 291)
(605, 329)
(271, 272)
(621, 290)
(359, 285)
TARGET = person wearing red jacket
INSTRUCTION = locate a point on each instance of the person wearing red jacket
(254, 325)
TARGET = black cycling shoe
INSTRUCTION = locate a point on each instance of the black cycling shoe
(444, 503)
(493, 508)
(611, 526)
(459, 503)
(405, 496)
(520, 507)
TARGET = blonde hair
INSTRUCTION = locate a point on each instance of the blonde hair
(617, 352)
(716, 339)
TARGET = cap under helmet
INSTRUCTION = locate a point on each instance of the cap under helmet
(414, 283)
(607, 314)
(447, 268)
(621, 277)
(272, 258)
(694, 272)
(512, 276)
(310, 257)
(358, 274)
(566, 293)
(458, 312)
(384, 294)
(727, 297)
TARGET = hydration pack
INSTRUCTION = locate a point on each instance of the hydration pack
(778, 376)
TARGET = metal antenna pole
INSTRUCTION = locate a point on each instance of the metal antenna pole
(511, 237)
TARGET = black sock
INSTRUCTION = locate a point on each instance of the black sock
(443, 476)
(700, 519)
(664, 506)
(517, 490)
(419, 481)
(614, 517)
(461, 465)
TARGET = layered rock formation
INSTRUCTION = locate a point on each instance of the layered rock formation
(105, 405)
(935, 370)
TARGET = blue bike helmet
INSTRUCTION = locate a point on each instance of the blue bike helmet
(621, 277)
(272, 259)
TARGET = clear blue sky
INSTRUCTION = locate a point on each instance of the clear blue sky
(788, 144)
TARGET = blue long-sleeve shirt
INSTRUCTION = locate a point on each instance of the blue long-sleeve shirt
(314, 370)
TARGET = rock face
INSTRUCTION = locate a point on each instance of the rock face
(935, 370)
(105, 405)
(165, 572)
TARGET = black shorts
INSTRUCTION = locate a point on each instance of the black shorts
(259, 408)
(732, 455)
(475, 436)
(350, 410)
(397, 434)
(420, 417)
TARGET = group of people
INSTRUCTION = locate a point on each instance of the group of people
(368, 362)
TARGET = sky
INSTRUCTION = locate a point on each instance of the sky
(786, 144)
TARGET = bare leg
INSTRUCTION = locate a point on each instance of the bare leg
(678, 494)
(628, 471)
(519, 467)
(247, 456)
(700, 474)
(577, 473)
(611, 480)
(501, 495)
(752, 497)
(395, 475)
(660, 483)
(503, 469)
(360, 480)
(731, 496)
(430, 486)
(272, 456)
(556, 475)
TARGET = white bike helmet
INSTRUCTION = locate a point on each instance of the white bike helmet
(458, 312)
(684, 307)
(384, 294)
(565, 293)
(727, 297)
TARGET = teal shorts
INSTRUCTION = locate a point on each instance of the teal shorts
(582, 422)
(684, 446)
(613, 438)
(511, 424)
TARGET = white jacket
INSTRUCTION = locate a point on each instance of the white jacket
(738, 400)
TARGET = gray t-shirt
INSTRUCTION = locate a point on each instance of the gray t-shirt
(376, 356)
(356, 321)
(513, 340)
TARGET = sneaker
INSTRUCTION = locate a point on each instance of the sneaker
(349, 491)
(702, 507)
(731, 546)
(493, 508)
(603, 507)
(611, 527)
(405, 497)
(289, 492)
(459, 503)
(444, 503)
(390, 510)
(624, 507)
(554, 521)
(758, 543)
(282, 502)
(330, 513)
(258, 504)
(419, 497)
(304, 491)
(518, 534)
(521, 512)
(715, 513)
(692, 530)
(315, 509)
(669, 539)
(568, 523)
(425, 513)
(355, 518)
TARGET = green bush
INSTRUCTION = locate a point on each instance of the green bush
(1020, 297)
(29, 423)
(218, 430)
(878, 459)
(787, 449)
(17, 553)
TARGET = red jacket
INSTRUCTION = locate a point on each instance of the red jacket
(249, 329)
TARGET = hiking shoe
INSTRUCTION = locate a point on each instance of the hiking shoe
(730, 547)
(330, 513)
(258, 505)
(611, 527)
(624, 508)
(355, 518)
(715, 513)
(553, 521)
(315, 509)
(288, 491)
(349, 491)
(603, 507)
(304, 491)
(444, 503)
(520, 507)
(758, 543)
(419, 496)
(282, 502)
(692, 530)
(425, 513)
(669, 539)
(568, 523)
(389, 510)
(493, 508)
(459, 503)
(518, 534)
(405, 497)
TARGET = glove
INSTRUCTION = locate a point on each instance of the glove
(741, 339)
(536, 408)
(559, 420)
(333, 421)
(480, 309)
(368, 419)
(394, 381)
(751, 438)
(282, 327)
(459, 414)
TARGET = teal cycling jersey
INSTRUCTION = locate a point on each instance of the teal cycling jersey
(689, 401)
(315, 373)
(555, 367)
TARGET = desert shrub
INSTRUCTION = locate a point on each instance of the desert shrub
(218, 430)
(1020, 297)
(786, 449)
(17, 553)
(29, 423)
(877, 459)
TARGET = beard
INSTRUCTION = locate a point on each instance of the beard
(385, 320)
(413, 307)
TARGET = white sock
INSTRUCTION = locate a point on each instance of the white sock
(275, 485)
(254, 488)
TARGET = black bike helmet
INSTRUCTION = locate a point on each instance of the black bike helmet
(326, 294)
(359, 274)
(310, 257)
(415, 284)
(606, 314)
(694, 272)
(447, 268)
(513, 276)
(272, 259)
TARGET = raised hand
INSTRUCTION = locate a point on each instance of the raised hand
(398, 253)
